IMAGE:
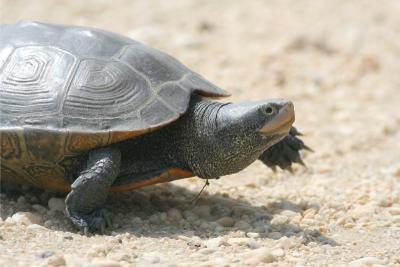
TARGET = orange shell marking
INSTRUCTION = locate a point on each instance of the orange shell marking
(167, 176)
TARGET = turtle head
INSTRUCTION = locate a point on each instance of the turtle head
(232, 136)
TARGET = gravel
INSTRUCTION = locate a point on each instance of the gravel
(336, 60)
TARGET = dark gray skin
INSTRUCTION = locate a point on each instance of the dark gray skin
(211, 140)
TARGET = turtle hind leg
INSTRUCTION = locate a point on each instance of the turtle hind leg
(286, 152)
(90, 190)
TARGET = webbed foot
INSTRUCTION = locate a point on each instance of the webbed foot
(286, 152)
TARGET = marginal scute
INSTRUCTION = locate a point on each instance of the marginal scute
(175, 96)
(30, 33)
(81, 142)
(44, 145)
(9, 175)
(202, 86)
(156, 113)
(9, 145)
(48, 177)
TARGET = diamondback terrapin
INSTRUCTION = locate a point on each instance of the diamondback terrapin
(87, 111)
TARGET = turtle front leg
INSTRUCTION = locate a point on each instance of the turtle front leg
(286, 152)
(89, 191)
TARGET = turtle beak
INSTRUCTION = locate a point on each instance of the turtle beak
(282, 121)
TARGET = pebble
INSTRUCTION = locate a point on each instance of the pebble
(252, 235)
(151, 258)
(26, 218)
(279, 219)
(35, 227)
(261, 255)
(39, 208)
(48, 223)
(174, 214)
(288, 243)
(242, 225)
(226, 221)
(394, 210)
(21, 200)
(56, 204)
(203, 211)
(238, 241)
(207, 251)
(253, 244)
(278, 252)
(288, 213)
(214, 242)
(56, 260)
(106, 263)
(275, 235)
(366, 261)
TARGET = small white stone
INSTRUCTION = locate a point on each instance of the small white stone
(9, 221)
(56, 204)
(279, 219)
(251, 243)
(366, 261)
(151, 258)
(106, 263)
(26, 218)
(56, 261)
(214, 242)
(241, 241)
(288, 213)
(278, 252)
(207, 251)
(394, 210)
(35, 227)
(396, 219)
(253, 235)
(288, 243)
(261, 255)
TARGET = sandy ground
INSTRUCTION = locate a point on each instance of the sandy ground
(337, 60)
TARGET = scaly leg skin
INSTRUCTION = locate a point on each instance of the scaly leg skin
(285, 153)
(89, 191)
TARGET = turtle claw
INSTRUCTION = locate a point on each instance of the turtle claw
(301, 162)
(290, 169)
(307, 148)
(96, 221)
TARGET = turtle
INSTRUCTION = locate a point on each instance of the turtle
(87, 112)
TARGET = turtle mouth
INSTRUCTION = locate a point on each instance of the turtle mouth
(281, 122)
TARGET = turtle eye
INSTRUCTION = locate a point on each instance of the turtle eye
(268, 110)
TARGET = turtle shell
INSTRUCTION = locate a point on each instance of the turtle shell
(65, 90)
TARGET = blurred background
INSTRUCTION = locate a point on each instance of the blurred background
(337, 60)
